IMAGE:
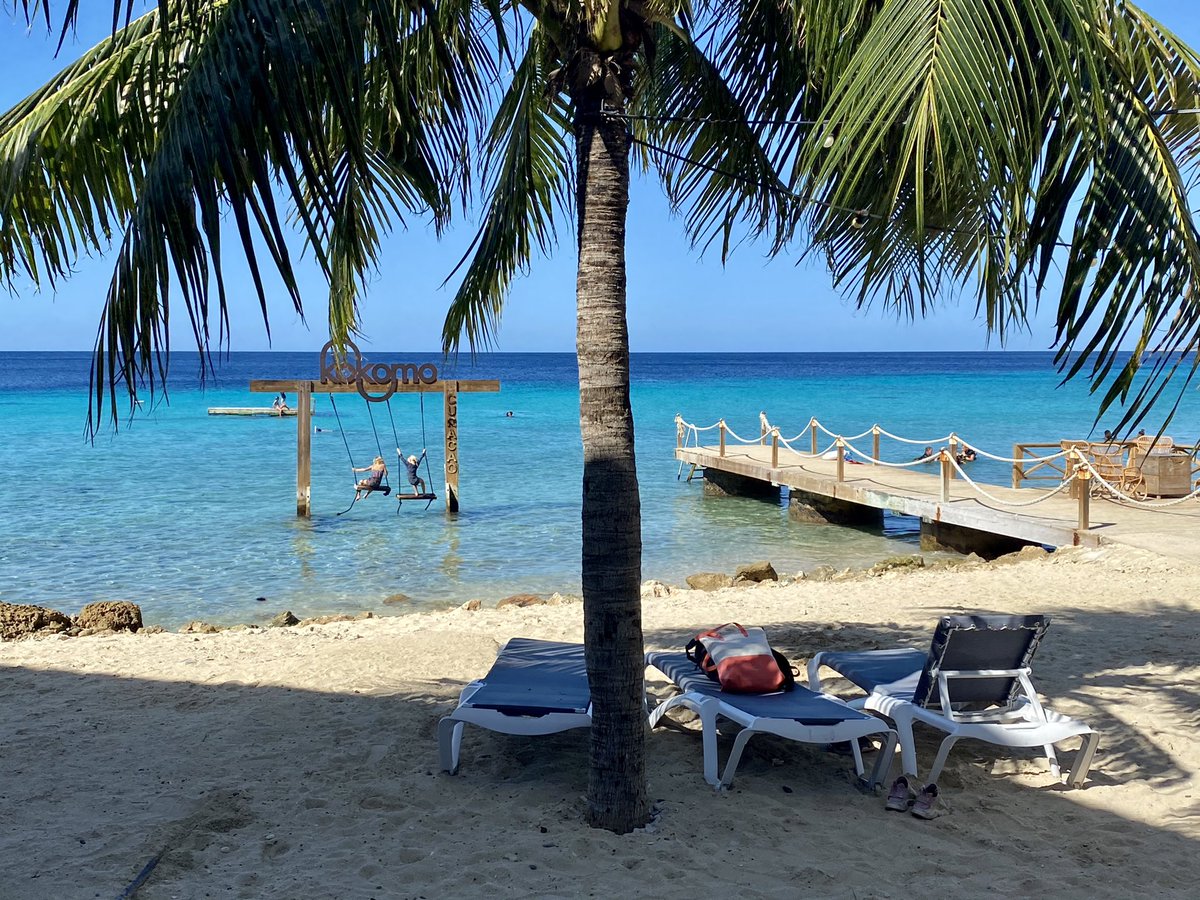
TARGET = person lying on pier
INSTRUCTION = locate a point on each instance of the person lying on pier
(927, 456)
(410, 465)
(378, 470)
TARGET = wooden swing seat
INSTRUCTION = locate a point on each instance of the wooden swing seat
(383, 489)
(416, 496)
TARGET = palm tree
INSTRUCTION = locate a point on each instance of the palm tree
(922, 146)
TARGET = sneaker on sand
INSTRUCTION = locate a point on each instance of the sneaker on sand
(898, 796)
(924, 807)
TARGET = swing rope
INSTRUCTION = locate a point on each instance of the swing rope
(342, 432)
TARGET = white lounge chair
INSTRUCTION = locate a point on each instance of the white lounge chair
(533, 687)
(974, 682)
(798, 715)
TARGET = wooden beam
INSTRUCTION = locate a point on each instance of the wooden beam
(275, 385)
(451, 405)
(303, 452)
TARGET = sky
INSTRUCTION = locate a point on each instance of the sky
(678, 300)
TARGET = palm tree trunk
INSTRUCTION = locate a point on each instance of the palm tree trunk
(612, 523)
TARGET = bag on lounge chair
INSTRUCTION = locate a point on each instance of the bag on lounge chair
(741, 660)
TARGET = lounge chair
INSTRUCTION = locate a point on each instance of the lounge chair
(799, 715)
(533, 687)
(974, 682)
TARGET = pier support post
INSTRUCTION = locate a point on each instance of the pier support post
(959, 538)
(304, 450)
(817, 509)
(729, 484)
(451, 406)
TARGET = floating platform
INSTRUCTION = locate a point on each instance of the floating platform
(249, 411)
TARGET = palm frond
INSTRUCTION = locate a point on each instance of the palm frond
(527, 166)
(156, 135)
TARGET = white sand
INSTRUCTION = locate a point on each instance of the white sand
(302, 763)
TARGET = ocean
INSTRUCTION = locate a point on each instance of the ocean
(193, 516)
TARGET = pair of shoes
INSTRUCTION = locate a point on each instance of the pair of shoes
(924, 807)
(900, 796)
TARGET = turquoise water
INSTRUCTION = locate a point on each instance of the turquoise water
(193, 516)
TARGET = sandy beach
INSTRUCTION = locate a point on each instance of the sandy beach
(301, 762)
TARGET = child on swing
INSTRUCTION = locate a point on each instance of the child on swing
(410, 466)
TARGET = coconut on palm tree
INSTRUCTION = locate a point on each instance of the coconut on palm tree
(1014, 149)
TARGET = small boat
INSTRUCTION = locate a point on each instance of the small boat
(248, 411)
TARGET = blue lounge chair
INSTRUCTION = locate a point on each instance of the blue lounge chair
(798, 715)
(533, 687)
(974, 682)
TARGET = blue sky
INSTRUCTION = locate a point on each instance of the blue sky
(677, 300)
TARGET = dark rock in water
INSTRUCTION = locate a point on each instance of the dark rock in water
(117, 615)
(283, 620)
(708, 581)
(17, 619)
(756, 571)
(396, 599)
(521, 600)
(260, 599)
(199, 628)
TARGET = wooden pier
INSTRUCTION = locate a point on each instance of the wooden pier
(953, 513)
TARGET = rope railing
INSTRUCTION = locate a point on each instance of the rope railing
(1077, 469)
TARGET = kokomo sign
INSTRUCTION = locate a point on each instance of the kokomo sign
(367, 376)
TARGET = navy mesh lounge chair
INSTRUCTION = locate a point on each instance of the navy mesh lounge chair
(974, 682)
(533, 687)
(799, 715)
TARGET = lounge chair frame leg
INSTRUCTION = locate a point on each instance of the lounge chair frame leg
(1083, 760)
(449, 744)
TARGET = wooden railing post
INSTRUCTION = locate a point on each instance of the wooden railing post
(952, 451)
(722, 430)
(774, 448)
(874, 445)
(841, 460)
(947, 474)
(812, 425)
(1084, 478)
(1018, 471)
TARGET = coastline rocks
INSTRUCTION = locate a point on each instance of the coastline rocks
(119, 615)
(1033, 551)
(17, 619)
(708, 581)
(326, 620)
(821, 573)
(473, 605)
(756, 571)
(283, 620)
(656, 589)
(521, 600)
(396, 599)
(198, 627)
(893, 563)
